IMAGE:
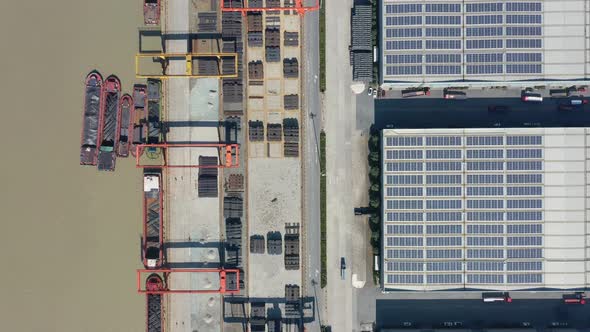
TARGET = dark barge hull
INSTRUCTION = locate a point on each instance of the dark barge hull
(125, 127)
(138, 120)
(152, 219)
(154, 87)
(109, 123)
(91, 119)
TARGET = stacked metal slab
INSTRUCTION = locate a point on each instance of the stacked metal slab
(361, 43)
(256, 131)
(255, 29)
(257, 316)
(274, 132)
(274, 243)
(291, 102)
(207, 182)
(233, 206)
(233, 244)
(290, 68)
(255, 70)
(291, 137)
(235, 182)
(292, 302)
(292, 246)
(208, 66)
(233, 90)
(291, 38)
(257, 244)
(207, 22)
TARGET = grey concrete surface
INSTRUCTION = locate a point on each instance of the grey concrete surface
(311, 114)
(340, 116)
(193, 222)
(274, 201)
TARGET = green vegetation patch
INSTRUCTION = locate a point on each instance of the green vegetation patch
(323, 46)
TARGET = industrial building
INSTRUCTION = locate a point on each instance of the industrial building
(489, 209)
(484, 43)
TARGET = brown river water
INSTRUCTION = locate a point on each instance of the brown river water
(70, 241)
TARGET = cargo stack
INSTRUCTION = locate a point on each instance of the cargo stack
(207, 181)
(291, 135)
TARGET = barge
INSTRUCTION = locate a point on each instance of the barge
(109, 123)
(125, 127)
(91, 119)
(152, 219)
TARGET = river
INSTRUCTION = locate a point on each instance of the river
(71, 235)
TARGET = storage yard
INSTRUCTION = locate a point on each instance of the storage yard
(219, 146)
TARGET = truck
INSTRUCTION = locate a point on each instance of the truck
(496, 297)
(415, 92)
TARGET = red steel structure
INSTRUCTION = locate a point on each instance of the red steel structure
(155, 285)
(230, 151)
(299, 8)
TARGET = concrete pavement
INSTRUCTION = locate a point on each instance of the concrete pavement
(311, 112)
(340, 110)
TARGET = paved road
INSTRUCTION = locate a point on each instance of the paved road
(473, 112)
(340, 122)
(476, 314)
(312, 110)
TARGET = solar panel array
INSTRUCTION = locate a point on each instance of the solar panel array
(483, 38)
(463, 211)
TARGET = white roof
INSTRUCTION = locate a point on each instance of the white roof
(151, 182)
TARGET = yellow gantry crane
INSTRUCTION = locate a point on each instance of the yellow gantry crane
(165, 58)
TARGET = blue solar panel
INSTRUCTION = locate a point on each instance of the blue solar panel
(523, 7)
(403, 45)
(484, 69)
(524, 69)
(443, 32)
(403, 58)
(404, 32)
(443, 179)
(443, 8)
(404, 20)
(443, 58)
(485, 278)
(444, 266)
(484, 43)
(523, 31)
(443, 20)
(484, 19)
(484, 31)
(443, 44)
(485, 154)
(484, 7)
(485, 229)
(523, 19)
(443, 70)
(484, 140)
(523, 57)
(405, 8)
(485, 266)
(484, 57)
(524, 266)
(403, 70)
(523, 43)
